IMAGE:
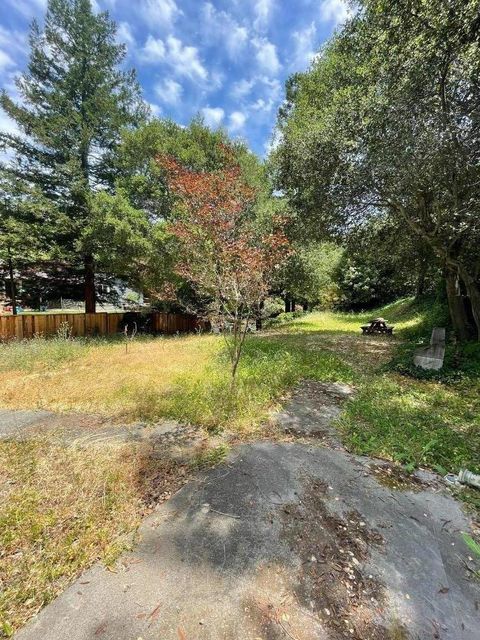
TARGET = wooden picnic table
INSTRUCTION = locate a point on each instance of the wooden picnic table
(379, 325)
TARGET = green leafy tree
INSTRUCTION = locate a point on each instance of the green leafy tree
(195, 146)
(143, 181)
(25, 228)
(308, 276)
(378, 265)
(75, 100)
(385, 124)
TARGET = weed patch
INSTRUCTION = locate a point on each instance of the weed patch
(205, 396)
(415, 423)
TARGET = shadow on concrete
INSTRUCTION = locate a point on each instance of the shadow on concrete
(281, 542)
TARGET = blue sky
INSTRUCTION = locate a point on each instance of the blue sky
(225, 59)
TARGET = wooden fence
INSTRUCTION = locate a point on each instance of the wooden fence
(26, 326)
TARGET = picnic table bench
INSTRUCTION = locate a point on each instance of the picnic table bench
(379, 325)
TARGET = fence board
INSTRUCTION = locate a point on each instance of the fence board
(114, 323)
(26, 326)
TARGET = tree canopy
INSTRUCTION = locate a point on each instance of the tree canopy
(75, 99)
(385, 124)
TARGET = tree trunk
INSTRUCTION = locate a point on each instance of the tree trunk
(239, 340)
(287, 304)
(471, 285)
(305, 305)
(13, 295)
(473, 293)
(258, 321)
(420, 288)
(292, 305)
(90, 297)
(456, 305)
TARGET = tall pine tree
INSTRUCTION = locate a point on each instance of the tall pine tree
(75, 100)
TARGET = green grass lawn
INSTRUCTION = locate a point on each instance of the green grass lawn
(399, 412)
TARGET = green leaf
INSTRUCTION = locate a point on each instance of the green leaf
(471, 544)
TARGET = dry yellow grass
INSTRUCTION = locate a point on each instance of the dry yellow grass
(106, 379)
(184, 378)
(61, 509)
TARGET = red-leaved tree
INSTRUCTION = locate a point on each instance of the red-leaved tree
(225, 255)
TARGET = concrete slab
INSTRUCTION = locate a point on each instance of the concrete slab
(79, 429)
(14, 422)
(438, 335)
(312, 410)
(282, 541)
(432, 357)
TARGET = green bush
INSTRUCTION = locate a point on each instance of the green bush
(284, 318)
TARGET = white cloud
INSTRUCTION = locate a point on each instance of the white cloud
(213, 116)
(336, 11)
(155, 109)
(267, 56)
(274, 87)
(159, 12)
(236, 39)
(263, 105)
(15, 42)
(304, 50)
(236, 120)
(263, 10)
(125, 35)
(184, 60)
(242, 87)
(29, 8)
(169, 91)
(154, 50)
(220, 26)
(102, 5)
(5, 61)
(267, 92)
(215, 80)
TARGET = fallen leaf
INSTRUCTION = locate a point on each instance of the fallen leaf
(155, 613)
(100, 630)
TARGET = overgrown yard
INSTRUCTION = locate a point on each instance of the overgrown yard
(184, 378)
(62, 507)
(397, 413)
